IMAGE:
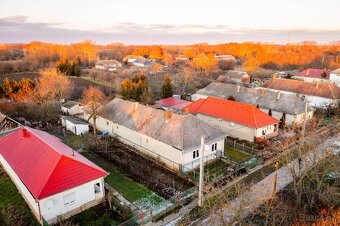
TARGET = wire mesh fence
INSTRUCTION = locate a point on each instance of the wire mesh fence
(233, 144)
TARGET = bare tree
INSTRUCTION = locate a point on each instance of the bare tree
(94, 101)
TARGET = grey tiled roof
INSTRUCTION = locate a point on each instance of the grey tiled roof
(181, 131)
(267, 99)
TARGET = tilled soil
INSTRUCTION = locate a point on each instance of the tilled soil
(162, 181)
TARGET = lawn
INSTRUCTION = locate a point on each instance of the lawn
(235, 155)
(13, 208)
(211, 170)
(134, 192)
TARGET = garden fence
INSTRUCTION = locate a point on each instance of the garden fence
(153, 215)
(242, 147)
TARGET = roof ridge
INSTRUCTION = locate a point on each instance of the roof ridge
(42, 140)
(48, 178)
(252, 107)
(84, 163)
(330, 89)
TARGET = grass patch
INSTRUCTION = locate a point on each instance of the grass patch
(130, 189)
(13, 208)
(235, 155)
(211, 170)
(96, 216)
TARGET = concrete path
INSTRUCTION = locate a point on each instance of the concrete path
(262, 191)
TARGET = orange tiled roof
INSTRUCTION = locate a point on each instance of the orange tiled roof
(237, 112)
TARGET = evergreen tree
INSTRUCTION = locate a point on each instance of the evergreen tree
(258, 106)
(324, 73)
(167, 88)
(283, 121)
(270, 112)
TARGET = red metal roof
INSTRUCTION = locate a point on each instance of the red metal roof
(313, 73)
(44, 164)
(237, 112)
(172, 102)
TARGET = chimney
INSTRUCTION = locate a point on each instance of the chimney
(278, 95)
(317, 85)
(167, 115)
(24, 133)
(238, 88)
(307, 72)
(135, 106)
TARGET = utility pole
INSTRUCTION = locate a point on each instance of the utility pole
(201, 185)
(275, 179)
(304, 124)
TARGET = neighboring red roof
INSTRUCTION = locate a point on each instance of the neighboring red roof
(313, 73)
(237, 112)
(44, 164)
(172, 102)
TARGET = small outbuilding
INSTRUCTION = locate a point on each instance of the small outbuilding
(75, 125)
(71, 108)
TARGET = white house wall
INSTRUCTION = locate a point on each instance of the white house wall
(76, 128)
(84, 194)
(71, 111)
(335, 78)
(172, 157)
(30, 200)
(232, 129)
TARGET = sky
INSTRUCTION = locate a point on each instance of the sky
(169, 22)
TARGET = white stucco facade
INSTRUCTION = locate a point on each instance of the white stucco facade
(172, 157)
(75, 128)
(62, 205)
(240, 131)
(335, 78)
(71, 111)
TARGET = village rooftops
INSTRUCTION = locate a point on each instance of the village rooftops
(70, 104)
(314, 73)
(337, 71)
(172, 102)
(327, 90)
(44, 164)
(267, 99)
(179, 131)
(237, 112)
(75, 120)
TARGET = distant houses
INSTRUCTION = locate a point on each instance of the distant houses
(313, 75)
(318, 95)
(236, 76)
(173, 104)
(171, 138)
(55, 181)
(335, 77)
(276, 101)
(239, 120)
(107, 65)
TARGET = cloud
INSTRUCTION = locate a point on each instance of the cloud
(19, 29)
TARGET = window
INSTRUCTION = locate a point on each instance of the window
(97, 188)
(264, 132)
(107, 123)
(214, 147)
(147, 141)
(195, 154)
(69, 199)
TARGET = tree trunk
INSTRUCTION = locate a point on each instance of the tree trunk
(94, 126)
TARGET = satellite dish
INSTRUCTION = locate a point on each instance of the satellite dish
(49, 204)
